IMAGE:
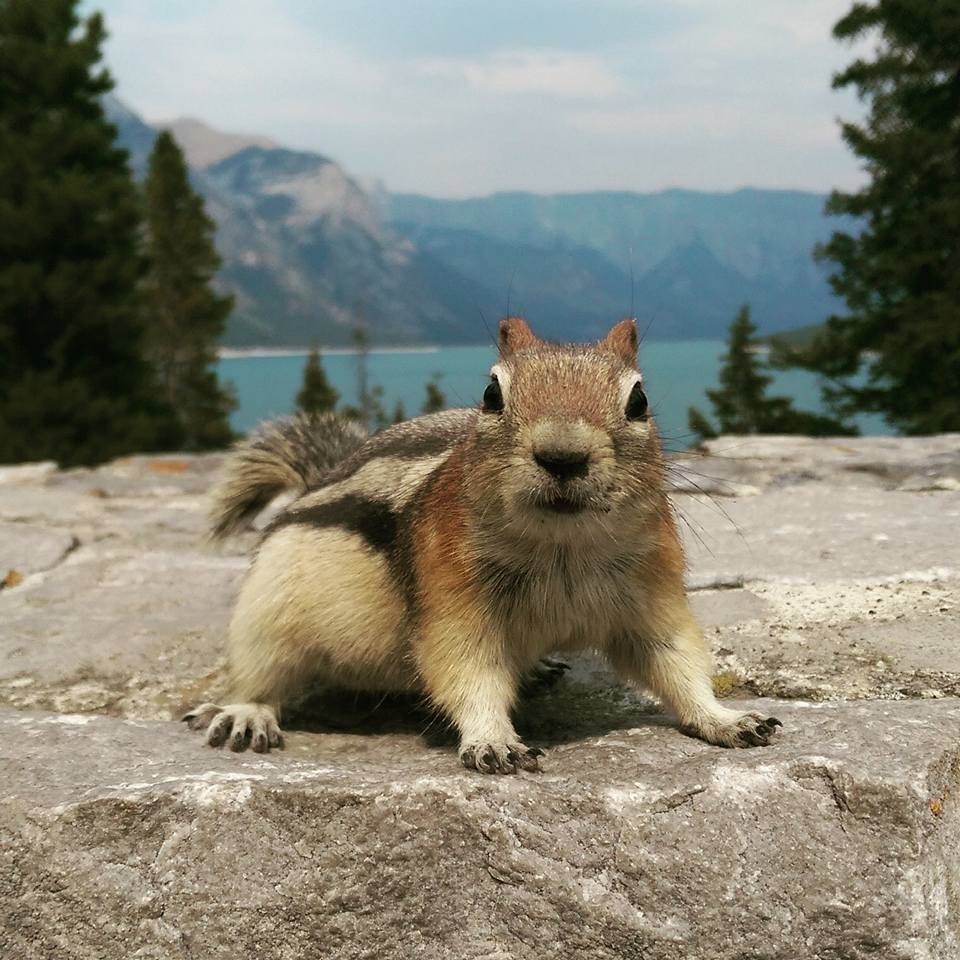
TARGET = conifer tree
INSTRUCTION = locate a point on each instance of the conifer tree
(896, 351)
(369, 410)
(699, 425)
(378, 413)
(74, 385)
(316, 394)
(434, 401)
(740, 403)
(399, 412)
(185, 315)
(363, 411)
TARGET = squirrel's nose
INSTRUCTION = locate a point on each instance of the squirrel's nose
(563, 464)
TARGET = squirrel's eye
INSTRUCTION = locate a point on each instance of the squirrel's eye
(636, 403)
(493, 397)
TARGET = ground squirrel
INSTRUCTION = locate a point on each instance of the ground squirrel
(449, 554)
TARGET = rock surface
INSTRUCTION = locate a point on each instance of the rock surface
(826, 574)
(123, 839)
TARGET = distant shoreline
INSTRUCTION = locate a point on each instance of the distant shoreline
(234, 353)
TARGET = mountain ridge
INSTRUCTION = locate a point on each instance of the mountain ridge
(307, 250)
(307, 254)
(204, 146)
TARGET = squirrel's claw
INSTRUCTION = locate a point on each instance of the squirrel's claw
(500, 757)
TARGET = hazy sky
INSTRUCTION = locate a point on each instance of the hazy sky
(458, 98)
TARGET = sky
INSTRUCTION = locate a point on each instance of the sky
(456, 99)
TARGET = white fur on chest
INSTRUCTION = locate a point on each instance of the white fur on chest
(562, 599)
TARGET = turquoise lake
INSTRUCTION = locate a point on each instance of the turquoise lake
(676, 374)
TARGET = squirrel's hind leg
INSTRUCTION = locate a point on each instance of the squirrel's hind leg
(264, 649)
(317, 605)
(546, 673)
(260, 682)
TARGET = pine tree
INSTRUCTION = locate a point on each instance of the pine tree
(74, 385)
(434, 401)
(185, 315)
(741, 405)
(369, 410)
(378, 414)
(316, 395)
(896, 351)
(399, 412)
(699, 425)
(363, 411)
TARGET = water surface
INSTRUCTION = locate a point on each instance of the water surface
(676, 374)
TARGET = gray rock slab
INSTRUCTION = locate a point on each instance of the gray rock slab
(821, 570)
(818, 532)
(26, 549)
(48, 506)
(846, 640)
(128, 839)
(728, 607)
(841, 450)
(841, 454)
(168, 517)
(132, 621)
(156, 475)
(27, 472)
(132, 633)
(742, 466)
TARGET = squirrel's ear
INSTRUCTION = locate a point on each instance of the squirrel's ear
(622, 340)
(515, 335)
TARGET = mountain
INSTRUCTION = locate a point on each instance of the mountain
(135, 136)
(307, 250)
(203, 146)
(694, 257)
(573, 292)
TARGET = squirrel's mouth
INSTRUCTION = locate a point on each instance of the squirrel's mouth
(558, 503)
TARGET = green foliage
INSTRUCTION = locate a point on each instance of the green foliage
(316, 394)
(897, 349)
(741, 405)
(74, 385)
(376, 414)
(370, 410)
(699, 425)
(185, 316)
(434, 401)
(798, 338)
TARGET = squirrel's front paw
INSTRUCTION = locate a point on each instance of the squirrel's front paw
(239, 724)
(500, 757)
(738, 730)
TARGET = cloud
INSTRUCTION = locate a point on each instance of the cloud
(553, 73)
(232, 58)
(548, 96)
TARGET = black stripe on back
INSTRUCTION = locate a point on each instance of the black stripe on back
(417, 446)
(417, 439)
(373, 520)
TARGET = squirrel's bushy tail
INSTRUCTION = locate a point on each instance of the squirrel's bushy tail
(291, 453)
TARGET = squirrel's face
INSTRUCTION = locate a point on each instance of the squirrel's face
(565, 431)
